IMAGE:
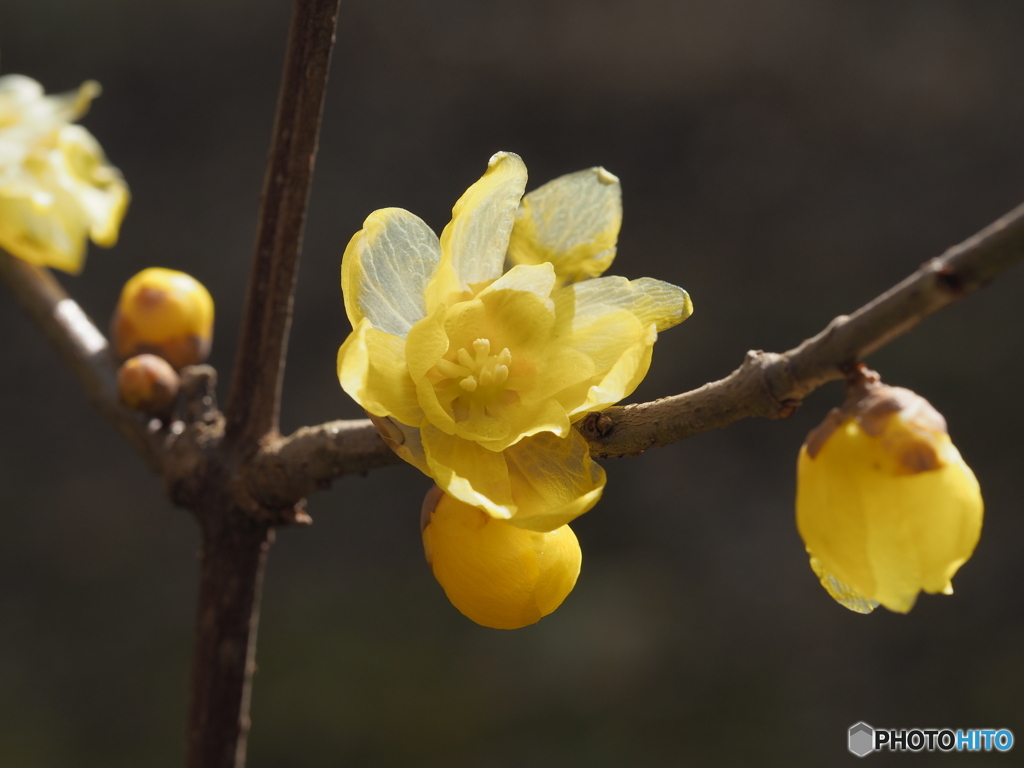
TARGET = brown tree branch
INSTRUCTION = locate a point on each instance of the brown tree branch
(234, 556)
(288, 469)
(83, 347)
(237, 529)
(254, 399)
(767, 384)
(772, 385)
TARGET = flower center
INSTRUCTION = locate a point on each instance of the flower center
(480, 370)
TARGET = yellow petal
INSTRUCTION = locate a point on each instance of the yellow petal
(846, 596)
(520, 320)
(538, 279)
(526, 419)
(386, 268)
(885, 533)
(495, 574)
(22, 100)
(649, 300)
(43, 230)
(98, 187)
(57, 188)
(619, 349)
(553, 480)
(572, 222)
(469, 472)
(473, 244)
(372, 370)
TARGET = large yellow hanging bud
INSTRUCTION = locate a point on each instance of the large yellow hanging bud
(498, 575)
(885, 504)
(166, 313)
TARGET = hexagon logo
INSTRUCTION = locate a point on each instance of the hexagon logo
(862, 739)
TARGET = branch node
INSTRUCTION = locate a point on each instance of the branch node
(199, 394)
(949, 277)
(596, 425)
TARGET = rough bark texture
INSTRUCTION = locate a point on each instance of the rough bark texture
(772, 385)
(83, 347)
(252, 406)
(242, 479)
(230, 582)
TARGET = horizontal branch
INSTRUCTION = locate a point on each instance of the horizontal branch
(82, 346)
(289, 468)
(767, 384)
(772, 385)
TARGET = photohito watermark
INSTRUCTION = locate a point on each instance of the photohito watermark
(863, 739)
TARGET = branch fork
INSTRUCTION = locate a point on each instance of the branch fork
(242, 479)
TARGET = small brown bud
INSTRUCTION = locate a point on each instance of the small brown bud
(149, 384)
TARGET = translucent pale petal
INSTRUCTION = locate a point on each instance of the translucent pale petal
(56, 187)
(372, 370)
(619, 348)
(553, 480)
(81, 171)
(650, 300)
(841, 593)
(469, 472)
(404, 440)
(473, 244)
(386, 268)
(623, 377)
(51, 234)
(546, 416)
(537, 279)
(572, 222)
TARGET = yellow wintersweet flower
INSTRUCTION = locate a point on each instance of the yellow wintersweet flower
(56, 186)
(476, 375)
(885, 504)
(496, 574)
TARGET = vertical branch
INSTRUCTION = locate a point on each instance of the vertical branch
(230, 583)
(253, 402)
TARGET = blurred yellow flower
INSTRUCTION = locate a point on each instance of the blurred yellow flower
(885, 504)
(475, 375)
(56, 187)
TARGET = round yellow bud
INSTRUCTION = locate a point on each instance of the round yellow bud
(498, 575)
(149, 384)
(885, 504)
(165, 313)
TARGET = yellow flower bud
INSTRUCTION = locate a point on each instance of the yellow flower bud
(885, 504)
(166, 313)
(498, 575)
(147, 383)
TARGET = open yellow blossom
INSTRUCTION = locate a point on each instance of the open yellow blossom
(56, 187)
(477, 374)
(885, 504)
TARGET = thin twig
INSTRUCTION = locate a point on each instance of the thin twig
(254, 399)
(84, 348)
(767, 384)
(772, 385)
(289, 468)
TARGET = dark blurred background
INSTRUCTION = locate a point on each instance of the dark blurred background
(783, 161)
